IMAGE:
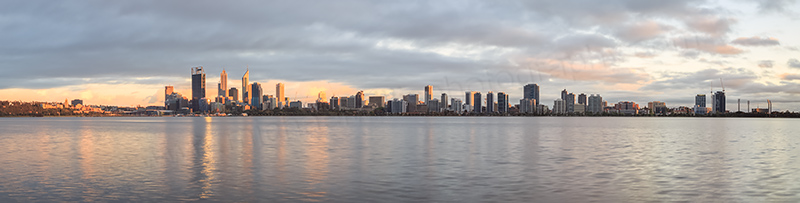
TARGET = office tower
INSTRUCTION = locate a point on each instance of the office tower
(399, 106)
(490, 102)
(469, 99)
(531, 91)
(433, 105)
(359, 99)
(280, 96)
(569, 101)
(559, 106)
(477, 102)
(411, 100)
(75, 102)
(234, 94)
(198, 87)
(527, 106)
(334, 102)
(257, 93)
(428, 93)
(443, 102)
(627, 107)
(502, 102)
(582, 99)
(595, 104)
(167, 91)
(700, 100)
(456, 105)
(246, 87)
(267, 102)
(376, 101)
(718, 103)
(222, 87)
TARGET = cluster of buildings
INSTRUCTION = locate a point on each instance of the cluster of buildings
(252, 94)
(253, 97)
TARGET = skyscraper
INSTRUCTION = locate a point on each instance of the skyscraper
(582, 99)
(360, 99)
(531, 91)
(569, 101)
(376, 101)
(167, 91)
(234, 94)
(198, 87)
(443, 101)
(490, 102)
(428, 93)
(718, 104)
(559, 106)
(246, 87)
(469, 99)
(222, 87)
(700, 100)
(595, 104)
(257, 95)
(280, 96)
(477, 102)
(502, 102)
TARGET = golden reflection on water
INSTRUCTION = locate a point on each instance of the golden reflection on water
(318, 159)
(209, 161)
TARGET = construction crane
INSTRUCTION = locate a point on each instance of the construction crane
(721, 84)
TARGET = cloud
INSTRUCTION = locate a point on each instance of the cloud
(644, 54)
(793, 63)
(642, 31)
(756, 41)
(770, 6)
(789, 76)
(706, 44)
(765, 64)
(713, 25)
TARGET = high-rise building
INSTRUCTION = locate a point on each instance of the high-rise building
(399, 106)
(280, 96)
(527, 106)
(234, 94)
(718, 103)
(257, 94)
(490, 102)
(582, 99)
(411, 101)
(428, 93)
(469, 98)
(168, 90)
(700, 100)
(433, 105)
(321, 96)
(531, 91)
(477, 103)
(359, 99)
(443, 102)
(376, 101)
(559, 106)
(246, 87)
(595, 104)
(569, 101)
(456, 105)
(502, 102)
(334, 101)
(222, 87)
(198, 87)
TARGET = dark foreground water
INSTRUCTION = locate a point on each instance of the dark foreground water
(399, 159)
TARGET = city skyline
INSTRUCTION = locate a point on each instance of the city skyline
(624, 51)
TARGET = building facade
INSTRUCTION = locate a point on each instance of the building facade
(198, 87)
(531, 91)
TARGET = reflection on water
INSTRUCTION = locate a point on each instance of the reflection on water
(407, 159)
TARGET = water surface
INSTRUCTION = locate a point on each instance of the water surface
(399, 159)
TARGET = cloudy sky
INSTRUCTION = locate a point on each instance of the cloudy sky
(124, 53)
